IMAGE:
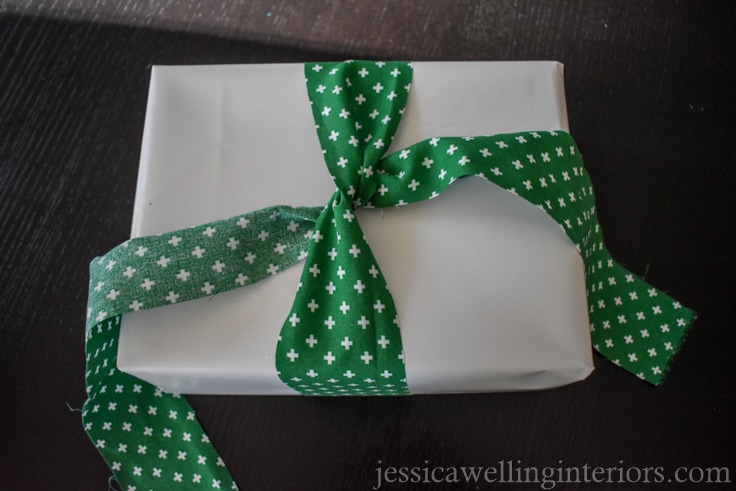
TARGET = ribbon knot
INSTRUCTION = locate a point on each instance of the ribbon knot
(357, 111)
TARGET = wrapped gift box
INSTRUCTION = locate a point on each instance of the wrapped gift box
(503, 306)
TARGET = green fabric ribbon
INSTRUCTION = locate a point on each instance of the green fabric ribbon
(342, 334)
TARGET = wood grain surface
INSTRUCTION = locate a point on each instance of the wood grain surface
(652, 105)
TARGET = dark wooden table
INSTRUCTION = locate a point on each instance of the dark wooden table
(652, 104)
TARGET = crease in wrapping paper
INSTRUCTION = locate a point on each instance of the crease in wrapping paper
(143, 351)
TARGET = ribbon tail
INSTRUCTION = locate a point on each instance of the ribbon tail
(149, 272)
(633, 324)
(636, 326)
(149, 437)
(342, 334)
(146, 436)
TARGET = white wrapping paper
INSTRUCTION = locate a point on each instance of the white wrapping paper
(502, 306)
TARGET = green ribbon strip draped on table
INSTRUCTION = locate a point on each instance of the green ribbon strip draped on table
(342, 334)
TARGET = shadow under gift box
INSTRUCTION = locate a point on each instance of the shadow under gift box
(489, 289)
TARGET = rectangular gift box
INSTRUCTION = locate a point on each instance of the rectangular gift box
(489, 289)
